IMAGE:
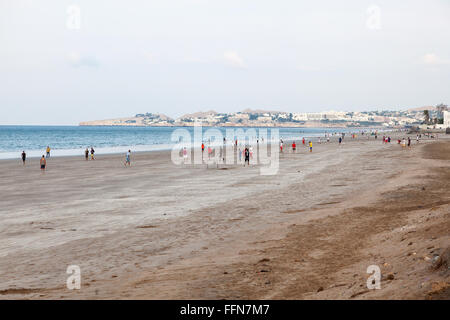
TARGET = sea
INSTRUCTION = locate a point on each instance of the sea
(73, 140)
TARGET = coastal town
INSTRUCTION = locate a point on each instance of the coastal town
(431, 116)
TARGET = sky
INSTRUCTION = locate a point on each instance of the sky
(63, 62)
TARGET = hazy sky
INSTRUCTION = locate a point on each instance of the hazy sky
(119, 58)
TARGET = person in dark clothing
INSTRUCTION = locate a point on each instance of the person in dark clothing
(24, 157)
(247, 156)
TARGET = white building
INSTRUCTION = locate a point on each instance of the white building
(446, 119)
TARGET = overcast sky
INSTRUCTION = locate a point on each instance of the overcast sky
(62, 62)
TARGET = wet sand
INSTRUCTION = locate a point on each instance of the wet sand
(160, 231)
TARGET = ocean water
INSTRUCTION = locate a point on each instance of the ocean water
(73, 140)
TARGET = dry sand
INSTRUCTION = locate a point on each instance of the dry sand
(160, 231)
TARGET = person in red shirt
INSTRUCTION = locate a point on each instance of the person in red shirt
(303, 141)
(293, 146)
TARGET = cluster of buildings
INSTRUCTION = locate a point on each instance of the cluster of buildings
(329, 118)
(435, 116)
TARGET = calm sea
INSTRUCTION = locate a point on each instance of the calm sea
(73, 140)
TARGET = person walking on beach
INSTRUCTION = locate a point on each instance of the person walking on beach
(310, 146)
(92, 153)
(240, 155)
(247, 156)
(127, 159)
(409, 142)
(340, 140)
(48, 152)
(24, 157)
(203, 150)
(86, 154)
(43, 163)
(303, 141)
(294, 146)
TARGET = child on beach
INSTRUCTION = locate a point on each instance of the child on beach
(293, 146)
(48, 152)
(310, 146)
(92, 153)
(86, 154)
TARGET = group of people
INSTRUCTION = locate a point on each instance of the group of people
(403, 142)
(86, 153)
(43, 159)
(309, 143)
(246, 152)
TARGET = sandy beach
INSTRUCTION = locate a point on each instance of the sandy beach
(160, 231)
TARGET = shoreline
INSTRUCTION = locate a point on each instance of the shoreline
(115, 150)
